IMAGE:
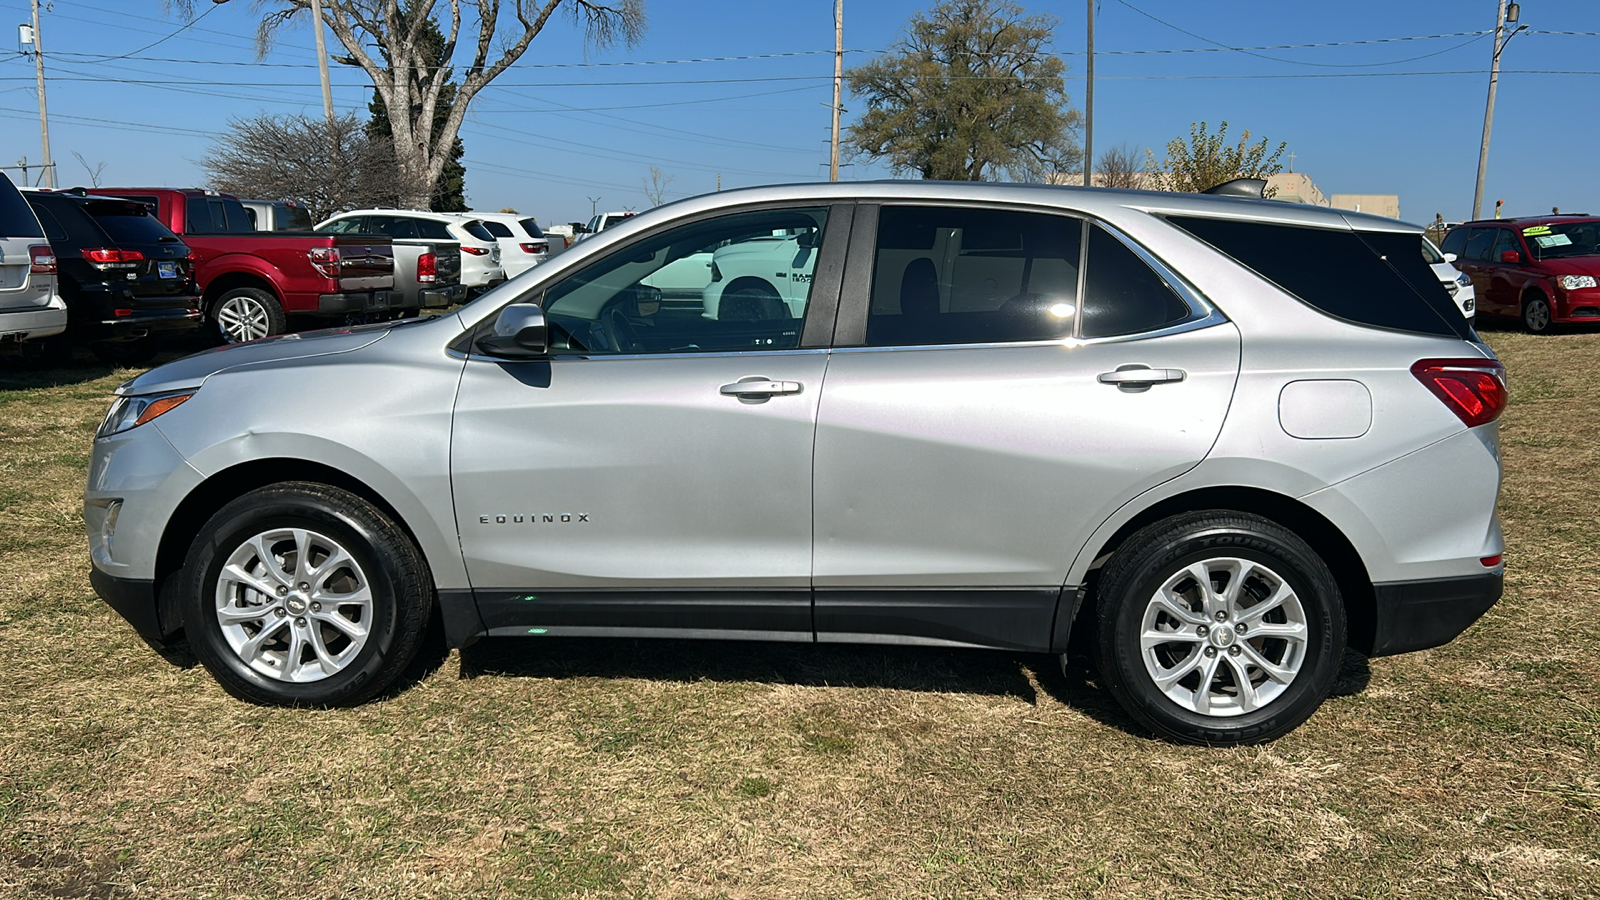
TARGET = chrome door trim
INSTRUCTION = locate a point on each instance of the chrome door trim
(1213, 318)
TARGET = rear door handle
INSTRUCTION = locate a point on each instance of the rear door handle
(1140, 378)
(760, 388)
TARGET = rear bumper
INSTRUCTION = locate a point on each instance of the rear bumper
(364, 301)
(144, 323)
(33, 322)
(1416, 615)
(443, 296)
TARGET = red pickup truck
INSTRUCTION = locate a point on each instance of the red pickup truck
(251, 281)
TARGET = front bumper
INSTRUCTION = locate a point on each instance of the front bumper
(133, 599)
(360, 302)
(1417, 615)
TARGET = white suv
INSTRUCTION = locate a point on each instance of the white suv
(480, 251)
(522, 244)
(30, 307)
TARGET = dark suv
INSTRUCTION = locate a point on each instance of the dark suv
(1542, 270)
(125, 277)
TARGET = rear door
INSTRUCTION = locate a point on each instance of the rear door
(1002, 381)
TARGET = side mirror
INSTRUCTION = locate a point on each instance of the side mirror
(1449, 257)
(1511, 256)
(519, 333)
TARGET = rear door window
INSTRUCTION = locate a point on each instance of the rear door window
(1478, 244)
(351, 225)
(1370, 278)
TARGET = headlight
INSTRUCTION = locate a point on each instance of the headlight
(1463, 279)
(1575, 282)
(129, 412)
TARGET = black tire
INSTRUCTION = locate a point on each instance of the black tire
(246, 314)
(382, 556)
(751, 300)
(1536, 314)
(1156, 557)
(126, 353)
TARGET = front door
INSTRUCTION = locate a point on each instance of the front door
(653, 475)
(990, 421)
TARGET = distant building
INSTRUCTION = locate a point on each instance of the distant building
(1291, 187)
(1386, 205)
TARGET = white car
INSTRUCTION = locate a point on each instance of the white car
(1458, 283)
(522, 244)
(602, 221)
(480, 252)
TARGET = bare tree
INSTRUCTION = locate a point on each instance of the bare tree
(655, 186)
(325, 166)
(1120, 167)
(94, 170)
(387, 40)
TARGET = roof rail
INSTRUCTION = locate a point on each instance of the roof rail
(1239, 187)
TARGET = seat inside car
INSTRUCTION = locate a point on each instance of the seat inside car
(919, 288)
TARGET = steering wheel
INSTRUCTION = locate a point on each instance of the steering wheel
(623, 335)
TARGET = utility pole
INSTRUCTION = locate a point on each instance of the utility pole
(838, 80)
(1503, 15)
(44, 118)
(594, 206)
(1088, 108)
(322, 59)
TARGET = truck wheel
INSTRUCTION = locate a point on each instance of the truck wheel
(1219, 628)
(247, 314)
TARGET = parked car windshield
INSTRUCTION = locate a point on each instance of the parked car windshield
(1563, 241)
(1430, 253)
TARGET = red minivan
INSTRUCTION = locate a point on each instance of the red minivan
(1541, 270)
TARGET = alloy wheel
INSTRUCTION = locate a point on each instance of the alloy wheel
(294, 605)
(242, 318)
(1224, 636)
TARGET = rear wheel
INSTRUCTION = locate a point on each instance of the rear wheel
(302, 594)
(751, 300)
(247, 314)
(1219, 628)
(1536, 314)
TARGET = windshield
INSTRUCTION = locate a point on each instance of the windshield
(1563, 241)
(1430, 253)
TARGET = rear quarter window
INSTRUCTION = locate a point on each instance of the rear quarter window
(532, 228)
(477, 230)
(433, 230)
(498, 229)
(16, 217)
(1369, 278)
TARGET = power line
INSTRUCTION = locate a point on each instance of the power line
(1338, 75)
(181, 29)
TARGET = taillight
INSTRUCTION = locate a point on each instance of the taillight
(428, 268)
(475, 251)
(41, 260)
(535, 247)
(325, 260)
(112, 258)
(1474, 389)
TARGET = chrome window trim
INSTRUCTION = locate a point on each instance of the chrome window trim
(1212, 318)
(605, 357)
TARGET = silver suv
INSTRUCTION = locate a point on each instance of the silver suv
(30, 307)
(1225, 438)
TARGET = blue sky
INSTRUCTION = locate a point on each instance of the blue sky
(567, 125)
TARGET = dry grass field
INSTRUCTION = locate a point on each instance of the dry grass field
(668, 769)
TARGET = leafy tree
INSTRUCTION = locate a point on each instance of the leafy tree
(968, 94)
(325, 166)
(1207, 160)
(410, 89)
(450, 193)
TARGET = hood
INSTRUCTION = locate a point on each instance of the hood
(192, 371)
(1576, 265)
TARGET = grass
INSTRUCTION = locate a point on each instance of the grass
(668, 769)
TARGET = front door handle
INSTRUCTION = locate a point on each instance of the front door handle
(1136, 378)
(761, 388)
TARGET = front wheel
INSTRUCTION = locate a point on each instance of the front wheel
(1219, 628)
(247, 314)
(302, 594)
(1536, 314)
